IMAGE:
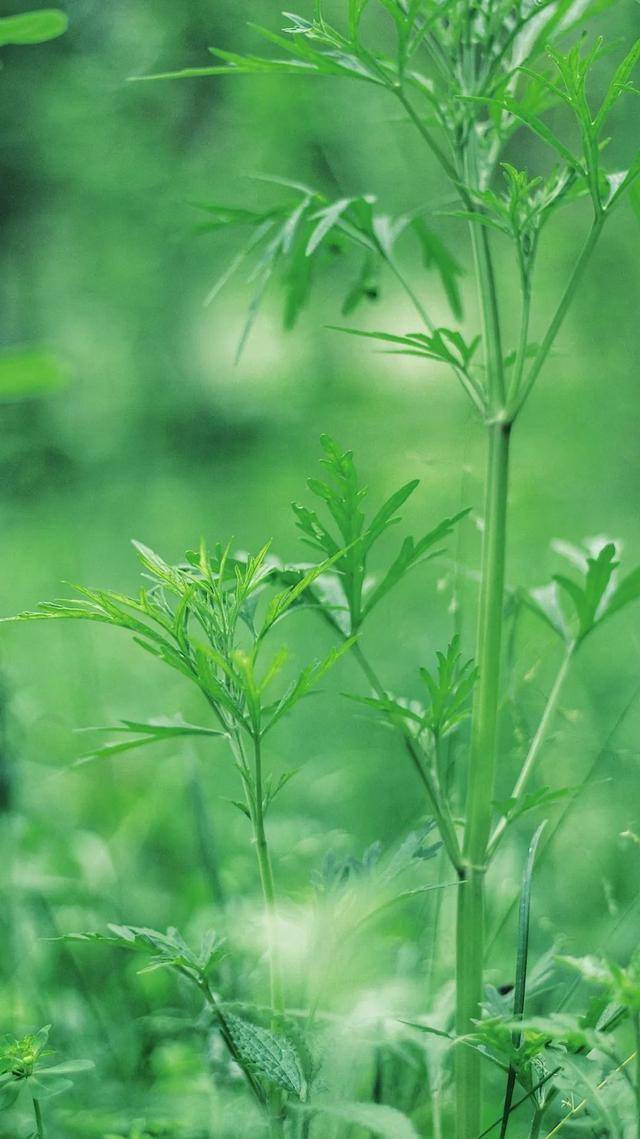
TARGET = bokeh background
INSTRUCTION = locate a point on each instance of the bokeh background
(157, 434)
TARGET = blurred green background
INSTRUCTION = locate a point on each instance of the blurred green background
(159, 435)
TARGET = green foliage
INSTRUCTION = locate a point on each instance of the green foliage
(33, 27)
(467, 78)
(597, 596)
(621, 986)
(348, 598)
(203, 619)
(449, 693)
(271, 1058)
(167, 950)
(25, 1066)
(309, 232)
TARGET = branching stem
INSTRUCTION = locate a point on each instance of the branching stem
(557, 320)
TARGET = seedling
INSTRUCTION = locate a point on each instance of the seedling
(26, 1070)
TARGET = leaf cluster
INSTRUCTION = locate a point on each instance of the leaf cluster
(348, 595)
(573, 609)
(267, 1059)
(308, 231)
(448, 704)
(25, 1064)
(208, 618)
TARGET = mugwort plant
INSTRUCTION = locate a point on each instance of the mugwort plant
(468, 77)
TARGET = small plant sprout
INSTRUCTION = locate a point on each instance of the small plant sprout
(26, 1070)
(467, 79)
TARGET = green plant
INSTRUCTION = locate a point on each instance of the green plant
(25, 1070)
(211, 618)
(468, 78)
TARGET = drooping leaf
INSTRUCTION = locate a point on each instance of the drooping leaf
(145, 732)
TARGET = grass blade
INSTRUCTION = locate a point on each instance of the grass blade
(522, 957)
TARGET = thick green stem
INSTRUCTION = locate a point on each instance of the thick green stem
(37, 1111)
(470, 933)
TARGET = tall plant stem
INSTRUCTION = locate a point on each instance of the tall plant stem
(471, 904)
(37, 1111)
(268, 891)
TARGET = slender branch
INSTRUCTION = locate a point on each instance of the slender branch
(525, 320)
(561, 312)
(225, 1032)
(536, 743)
(434, 147)
(438, 803)
(566, 812)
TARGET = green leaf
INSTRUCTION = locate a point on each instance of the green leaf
(149, 731)
(619, 84)
(412, 553)
(512, 809)
(588, 599)
(33, 27)
(435, 254)
(325, 221)
(267, 1056)
(450, 690)
(30, 372)
(522, 959)
(306, 682)
(625, 592)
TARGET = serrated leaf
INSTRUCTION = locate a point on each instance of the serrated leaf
(268, 1056)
